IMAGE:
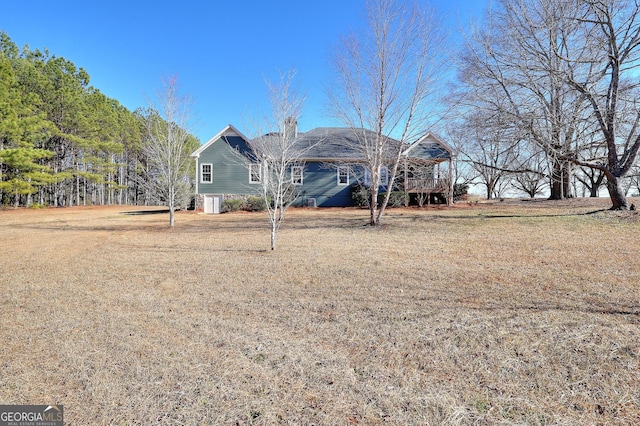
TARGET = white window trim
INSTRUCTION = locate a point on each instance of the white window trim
(293, 169)
(384, 172)
(252, 166)
(202, 172)
(384, 176)
(342, 169)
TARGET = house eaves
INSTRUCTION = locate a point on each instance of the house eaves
(431, 147)
(229, 130)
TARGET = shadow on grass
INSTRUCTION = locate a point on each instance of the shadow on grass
(631, 312)
(492, 216)
(145, 212)
(595, 304)
(415, 217)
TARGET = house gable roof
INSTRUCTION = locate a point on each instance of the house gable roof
(229, 134)
(332, 143)
(325, 143)
(429, 147)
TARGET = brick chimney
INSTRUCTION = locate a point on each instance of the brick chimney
(290, 127)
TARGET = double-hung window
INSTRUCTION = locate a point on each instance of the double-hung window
(206, 173)
(384, 177)
(296, 175)
(343, 175)
(255, 174)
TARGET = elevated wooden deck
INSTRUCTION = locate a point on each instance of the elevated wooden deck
(427, 186)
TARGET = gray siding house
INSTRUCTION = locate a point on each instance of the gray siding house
(227, 166)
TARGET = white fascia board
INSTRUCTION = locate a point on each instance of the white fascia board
(425, 137)
(229, 130)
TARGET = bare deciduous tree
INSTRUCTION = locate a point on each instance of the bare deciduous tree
(463, 173)
(610, 85)
(281, 160)
(168, 146)
(384, 77)
(562, 70)
(490, 148)
(493, 158)
(510, 68)
(591, 179)
(531, 174)
(633, 181)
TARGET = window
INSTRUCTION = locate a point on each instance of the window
(296, 175)
(254, 173)
(206, 173)
(384, 177)
(343, 175)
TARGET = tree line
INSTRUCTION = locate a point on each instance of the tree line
(64, 143)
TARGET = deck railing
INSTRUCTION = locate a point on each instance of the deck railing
(427, 185)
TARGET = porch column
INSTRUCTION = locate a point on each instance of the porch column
(406, 176)
(450, 196)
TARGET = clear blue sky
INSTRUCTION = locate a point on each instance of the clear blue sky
(221, 50)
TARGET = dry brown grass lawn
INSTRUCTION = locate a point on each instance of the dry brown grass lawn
(503, 313)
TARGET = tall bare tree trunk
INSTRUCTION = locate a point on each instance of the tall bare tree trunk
(560, 185)
(384, 81)
(616, 193)
(169, 145)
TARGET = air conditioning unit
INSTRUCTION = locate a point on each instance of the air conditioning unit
(311, 203)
